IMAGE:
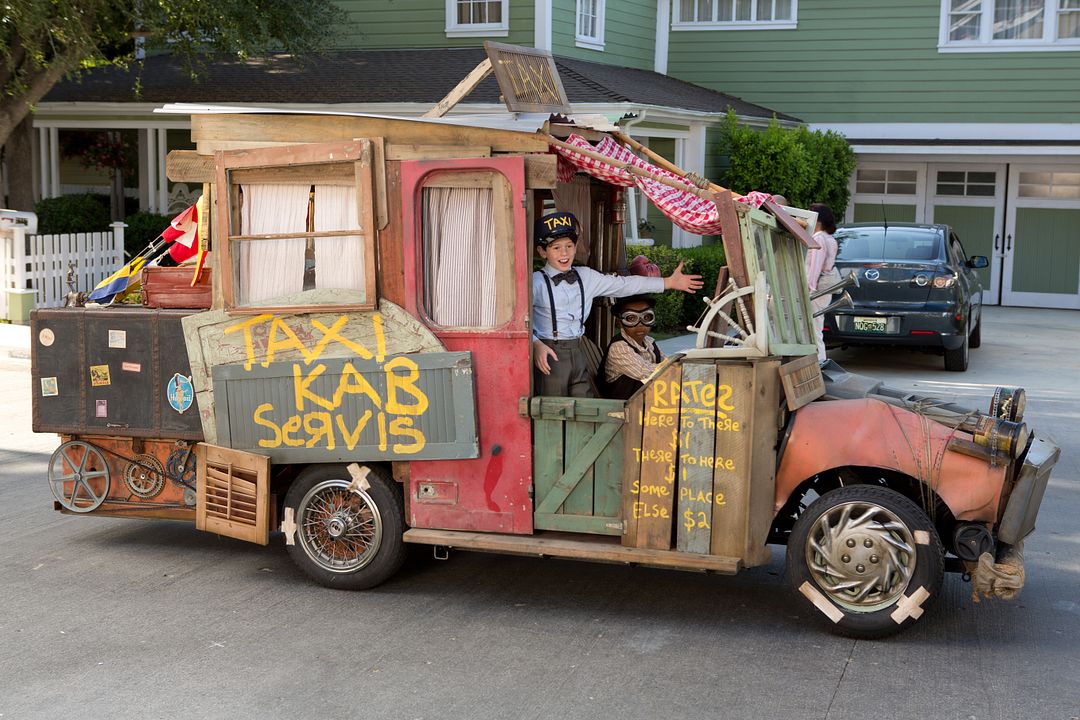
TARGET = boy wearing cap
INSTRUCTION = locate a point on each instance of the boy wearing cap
(562, 298)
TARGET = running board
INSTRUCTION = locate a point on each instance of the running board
(560, 545)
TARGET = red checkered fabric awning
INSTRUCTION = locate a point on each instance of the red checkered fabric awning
(688, 211)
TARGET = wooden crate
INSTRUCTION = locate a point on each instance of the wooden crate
(170, 287)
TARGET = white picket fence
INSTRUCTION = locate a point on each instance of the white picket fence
(40, 262)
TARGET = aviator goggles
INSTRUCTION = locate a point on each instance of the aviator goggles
(631, 318)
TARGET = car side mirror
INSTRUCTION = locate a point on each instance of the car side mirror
(978, 261)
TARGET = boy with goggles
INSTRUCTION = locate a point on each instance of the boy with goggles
(632, 355)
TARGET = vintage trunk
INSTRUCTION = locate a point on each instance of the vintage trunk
(170, 287)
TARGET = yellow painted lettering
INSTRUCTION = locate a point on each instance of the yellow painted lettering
(353, 382)
(352, 437)
(275, 441)
(291, 425)
(246, 326)
(723, 395)
(380, 420)
(301, 384)
(319, 425)
(403, 426)
(333, 334)
(406, 382)
(287, 341)
(380, 337)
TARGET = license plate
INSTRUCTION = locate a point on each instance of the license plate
(870, 324)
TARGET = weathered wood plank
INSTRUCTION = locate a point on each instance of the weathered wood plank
(463, 88)
(435, 152)
(188, 166)
(631, 465)
(763, 458)
(540, 172)
(731, 230)
(731, 474)
(654, 508)
(580, 499)
(594, 548)
(210, 131)
(697, 441)
(391, 250)
(548, 459)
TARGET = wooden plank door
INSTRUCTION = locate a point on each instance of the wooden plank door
(578, 457)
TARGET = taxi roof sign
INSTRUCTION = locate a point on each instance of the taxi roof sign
(528, 78)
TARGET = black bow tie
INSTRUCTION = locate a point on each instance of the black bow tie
(569, 276)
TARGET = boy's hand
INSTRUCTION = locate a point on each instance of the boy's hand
(677, 281)
(541, 353)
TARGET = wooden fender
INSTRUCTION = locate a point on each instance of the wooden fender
(870, 433)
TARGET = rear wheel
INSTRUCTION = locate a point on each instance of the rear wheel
(345, 536)
(957, 360)
(867, 558)
(976, 335)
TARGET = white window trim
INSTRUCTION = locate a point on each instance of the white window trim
(584, 41)
(1048, 43)
(454, 29)
(678, 24)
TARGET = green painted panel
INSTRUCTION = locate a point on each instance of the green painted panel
(607, 479)
(376, 24)
(975, 228)
(548, 460)
(1047, 251)
(877, 62)
(629, 33)
(872, 212)
(580, 500)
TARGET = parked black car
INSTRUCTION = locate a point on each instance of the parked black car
(917, 287)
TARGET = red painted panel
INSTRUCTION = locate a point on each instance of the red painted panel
(491, 492)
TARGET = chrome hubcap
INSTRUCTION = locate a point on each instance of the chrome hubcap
(862, 555)
(340, 528)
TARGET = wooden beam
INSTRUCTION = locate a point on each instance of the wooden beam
(731, 234)
(436, 152)
(597, 547)
(540, 172)
(217, 132)
(189, 166)
(463, 88)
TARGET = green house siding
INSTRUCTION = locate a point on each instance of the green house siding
(393, 24)
(857, 61)
(629, 33)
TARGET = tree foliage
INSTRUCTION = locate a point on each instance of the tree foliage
(803, 165)
(47, 40)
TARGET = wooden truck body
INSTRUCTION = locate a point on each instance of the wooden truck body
(363, 379)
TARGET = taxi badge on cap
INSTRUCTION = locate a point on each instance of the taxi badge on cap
(553, 226)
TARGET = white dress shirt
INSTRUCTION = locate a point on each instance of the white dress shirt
(567, 297)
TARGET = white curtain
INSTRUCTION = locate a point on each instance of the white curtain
(270, 268)
(459, 256)
(339, 261)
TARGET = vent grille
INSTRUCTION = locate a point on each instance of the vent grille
(233, 496)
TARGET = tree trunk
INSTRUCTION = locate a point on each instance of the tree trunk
(19, 170)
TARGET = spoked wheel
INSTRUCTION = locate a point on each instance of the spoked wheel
(867, 558)
(345, 536)
(79, 476)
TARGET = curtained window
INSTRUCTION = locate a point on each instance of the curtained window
(467, 250)
(300, 234)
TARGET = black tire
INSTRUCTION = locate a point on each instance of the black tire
(957, 360)
(344, 538)
(890, 539)
(975, 340)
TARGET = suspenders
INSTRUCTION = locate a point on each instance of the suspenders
(551, 300)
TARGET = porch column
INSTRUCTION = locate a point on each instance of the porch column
(151, 171)
(54, 162)
(163, 181)
(43, 162)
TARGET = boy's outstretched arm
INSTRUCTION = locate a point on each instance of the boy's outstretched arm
(678, 281)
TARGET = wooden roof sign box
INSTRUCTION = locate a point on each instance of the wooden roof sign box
(363, 376)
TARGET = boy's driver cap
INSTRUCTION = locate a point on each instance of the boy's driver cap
(553, 226)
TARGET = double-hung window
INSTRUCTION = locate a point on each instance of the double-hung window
(477, 18)
(1009, 25)
(734, 15)
(590, 24)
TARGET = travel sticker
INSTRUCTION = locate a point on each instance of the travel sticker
(118, 338)
(99, 375)
(180, 393)
(48, 387)
(46, 337)
(101, 409)
(131, 367)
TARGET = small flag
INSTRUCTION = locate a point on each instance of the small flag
(183, 234)
(117, 283)
(201, 237)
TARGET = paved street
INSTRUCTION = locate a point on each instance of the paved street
(104, 618)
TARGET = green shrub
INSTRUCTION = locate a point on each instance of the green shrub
(73, 214)
(142, 229)
(805, 166)
(675, 310)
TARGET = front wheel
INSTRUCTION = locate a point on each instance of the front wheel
(867, 558)
(344, 534)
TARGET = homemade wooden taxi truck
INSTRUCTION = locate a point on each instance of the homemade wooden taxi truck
(362, 380)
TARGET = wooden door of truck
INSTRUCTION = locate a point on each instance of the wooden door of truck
(467, 264)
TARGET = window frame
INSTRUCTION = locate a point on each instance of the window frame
(279, 160)
(595, 42)
(454, 29)
(677, 23)
(986, 43)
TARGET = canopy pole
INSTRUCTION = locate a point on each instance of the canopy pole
(663, 161)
